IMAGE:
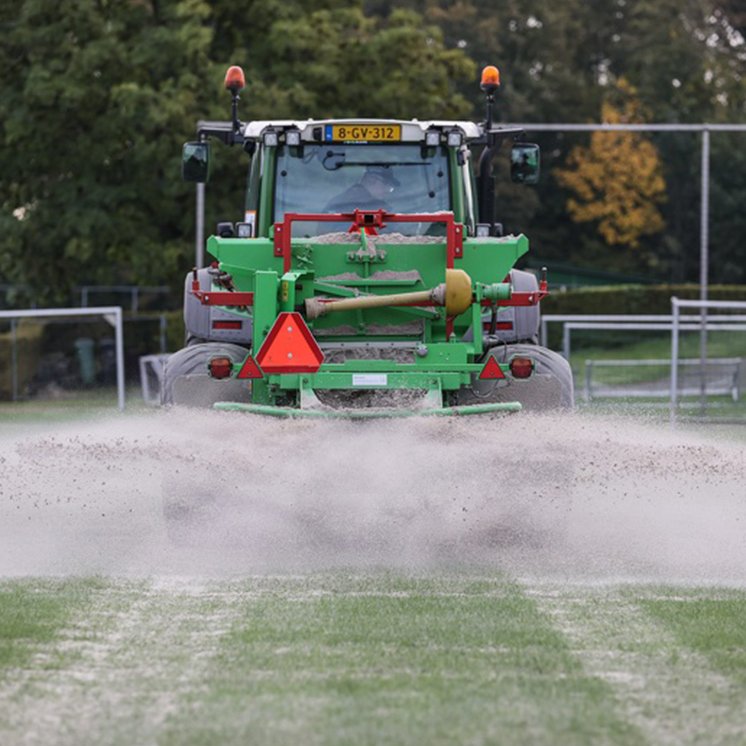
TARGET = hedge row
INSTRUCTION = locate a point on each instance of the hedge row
(632, 299)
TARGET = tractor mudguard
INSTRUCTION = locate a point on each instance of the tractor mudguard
(208, 323)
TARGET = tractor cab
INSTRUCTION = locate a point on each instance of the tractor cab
(338, 166)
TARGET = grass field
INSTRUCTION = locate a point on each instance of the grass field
(520, 580)
(368, 659)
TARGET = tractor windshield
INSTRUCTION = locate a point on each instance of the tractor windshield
(331, 178)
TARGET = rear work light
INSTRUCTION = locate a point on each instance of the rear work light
(220, 367)
(521, 367)
(454, 139)
(244, 230)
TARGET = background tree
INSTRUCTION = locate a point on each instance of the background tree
(96, 97)
(95, 101)
(616, 181)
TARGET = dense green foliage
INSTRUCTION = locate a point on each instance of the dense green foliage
(97, 97)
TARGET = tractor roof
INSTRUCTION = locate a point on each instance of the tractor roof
(312, 130)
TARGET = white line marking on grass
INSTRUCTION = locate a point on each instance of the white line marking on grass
(116, 675)
(669, 692)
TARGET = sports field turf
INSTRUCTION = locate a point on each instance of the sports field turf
(528, 580)
(341, 658)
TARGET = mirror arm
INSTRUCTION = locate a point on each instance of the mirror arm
(223, 131)
(495, 136)
(492, 140)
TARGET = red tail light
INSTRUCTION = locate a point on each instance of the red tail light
(236, 325)
(521, 367)
(220, 367)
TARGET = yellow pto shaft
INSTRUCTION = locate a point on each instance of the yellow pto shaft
(455, 294)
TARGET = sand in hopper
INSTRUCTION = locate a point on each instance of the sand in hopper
(548, 496)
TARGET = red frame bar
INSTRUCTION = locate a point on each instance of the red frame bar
(221, 297)
(369, 221)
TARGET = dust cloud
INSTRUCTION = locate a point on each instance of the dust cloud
(538, 496)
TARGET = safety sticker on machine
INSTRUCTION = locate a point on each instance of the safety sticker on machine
(370, 379)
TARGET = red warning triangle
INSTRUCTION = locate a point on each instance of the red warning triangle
(289, 347)
(491, 369)
(250, 369)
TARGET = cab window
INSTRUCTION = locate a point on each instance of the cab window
(338, 177)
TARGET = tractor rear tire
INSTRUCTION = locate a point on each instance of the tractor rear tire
(550, 387)
(186, 381)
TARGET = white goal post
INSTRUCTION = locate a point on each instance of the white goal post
(111, 314)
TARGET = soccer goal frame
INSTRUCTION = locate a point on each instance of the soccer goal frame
(111, 314)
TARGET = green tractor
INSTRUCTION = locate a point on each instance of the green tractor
(368, 276)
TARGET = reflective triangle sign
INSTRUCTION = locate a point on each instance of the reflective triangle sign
(289, 347)
(491, 369)
(250, 369)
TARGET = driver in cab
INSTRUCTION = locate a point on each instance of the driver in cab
(370, 193)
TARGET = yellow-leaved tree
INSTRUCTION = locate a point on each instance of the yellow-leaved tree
(616, 181)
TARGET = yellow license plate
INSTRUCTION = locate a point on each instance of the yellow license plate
(362, 133)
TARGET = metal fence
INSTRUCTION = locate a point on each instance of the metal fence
(639, 322)
(721, 377)
(710, 383)
(725, 323)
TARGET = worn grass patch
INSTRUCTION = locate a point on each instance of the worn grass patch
(390, 660)
(32, 613)
(715, 627)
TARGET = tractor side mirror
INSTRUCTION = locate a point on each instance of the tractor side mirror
(525, 163)
(195, 162)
